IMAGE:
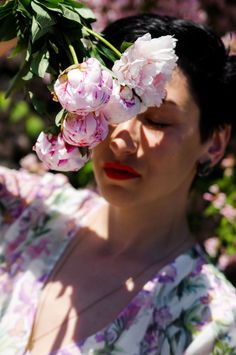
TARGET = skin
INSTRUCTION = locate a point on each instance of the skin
(163, 145)
(143, 223)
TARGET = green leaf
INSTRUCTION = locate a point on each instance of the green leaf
(40, 62)
(35, 29)
(43, 17)
(24, 9)
(17, 81)
(6, 9)
(59, 117)
(125, 45)
(8, 28)
(86, 13)
(71, 14)
(28, 76)
(39, 105)
(106, 52)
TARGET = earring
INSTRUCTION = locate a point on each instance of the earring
(204, 169)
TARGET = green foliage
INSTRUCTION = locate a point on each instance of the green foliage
(222, 208)
(4, 102)
(46, 31)
(33, 126)
(83, 177)
(19, 111)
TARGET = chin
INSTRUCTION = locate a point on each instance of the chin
(118, 196)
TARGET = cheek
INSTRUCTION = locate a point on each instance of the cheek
(170, 148)
(151, 138)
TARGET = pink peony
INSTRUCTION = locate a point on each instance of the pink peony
(123, 104)
(146, 66)
(56, 154)
(84, 87)
(85, 130)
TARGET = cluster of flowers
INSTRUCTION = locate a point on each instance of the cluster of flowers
(92, 96)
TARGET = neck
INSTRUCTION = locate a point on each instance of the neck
(146, 230)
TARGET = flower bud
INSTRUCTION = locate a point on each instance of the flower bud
(84, 87)
(56, 154)
(85, 130)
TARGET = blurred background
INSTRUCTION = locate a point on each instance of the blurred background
(213, 204)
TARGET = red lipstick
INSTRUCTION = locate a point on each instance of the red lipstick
(119, 171)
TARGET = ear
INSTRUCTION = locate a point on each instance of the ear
(217, 144)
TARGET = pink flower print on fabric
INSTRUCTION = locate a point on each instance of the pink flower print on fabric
(56, 154)
(85, 131)
(123, 104)
(84, 87)
(146, 66)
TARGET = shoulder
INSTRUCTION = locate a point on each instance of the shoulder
(28, 201)
(194, 306)
(209, 309)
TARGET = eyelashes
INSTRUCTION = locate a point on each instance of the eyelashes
(156, 124)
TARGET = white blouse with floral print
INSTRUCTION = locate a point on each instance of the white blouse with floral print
(187, 308)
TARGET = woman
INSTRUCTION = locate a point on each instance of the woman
(122, 272)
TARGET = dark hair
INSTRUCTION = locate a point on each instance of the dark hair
(202, 57)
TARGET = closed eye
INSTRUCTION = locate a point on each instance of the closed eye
(157, 124)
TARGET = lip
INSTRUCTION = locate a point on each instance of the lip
(119, 171)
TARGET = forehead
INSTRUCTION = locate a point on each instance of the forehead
(179, 93)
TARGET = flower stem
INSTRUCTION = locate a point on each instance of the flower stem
(72, 51)
(102, 39)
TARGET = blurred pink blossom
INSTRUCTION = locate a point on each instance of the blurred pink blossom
(212, 246)
(108, 11)
(223, 261)
(228, 212)
(187, 9)
(228, 161)
(219, 200)
(214, 189)
(229, 40)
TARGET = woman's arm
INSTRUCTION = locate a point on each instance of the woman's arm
(7, 45)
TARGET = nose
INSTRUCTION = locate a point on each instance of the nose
(124, 138)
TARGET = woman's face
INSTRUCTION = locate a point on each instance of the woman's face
(162, 145)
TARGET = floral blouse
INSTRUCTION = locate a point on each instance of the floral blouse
(187, 308)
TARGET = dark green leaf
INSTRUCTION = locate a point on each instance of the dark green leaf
(8, 29)
(125, 45)
(6, 9)
(17, 81)
(43, 17)
(40, 62)
(39, 105)
(52, 6)
(107, 52)
(71, 15)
